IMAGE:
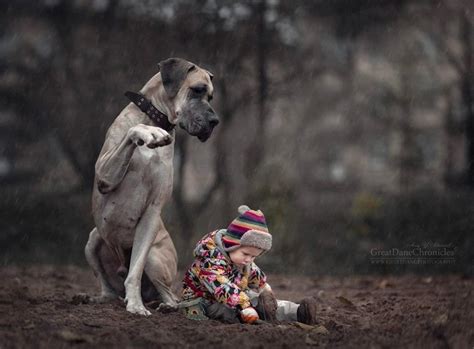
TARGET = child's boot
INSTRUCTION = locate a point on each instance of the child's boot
(307, 312)
(267, 306)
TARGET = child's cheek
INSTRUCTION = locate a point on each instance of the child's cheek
(235, 259)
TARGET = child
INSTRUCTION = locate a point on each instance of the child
(225, 284)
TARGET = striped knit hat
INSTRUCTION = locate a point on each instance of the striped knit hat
(248, 229)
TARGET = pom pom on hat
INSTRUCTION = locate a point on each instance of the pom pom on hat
(243, 208)
(248, 229)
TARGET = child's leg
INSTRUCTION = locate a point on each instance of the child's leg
(202, 309)
(305, 312)
(270, 309)
(221, 312)
(287, 311)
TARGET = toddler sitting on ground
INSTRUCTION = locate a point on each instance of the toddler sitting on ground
(225, 284)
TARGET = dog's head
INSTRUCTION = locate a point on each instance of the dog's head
(190, 89)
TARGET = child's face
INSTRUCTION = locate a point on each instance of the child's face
(245, 255)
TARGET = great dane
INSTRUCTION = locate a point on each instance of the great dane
(134, 179)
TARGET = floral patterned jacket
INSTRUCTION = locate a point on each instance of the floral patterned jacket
(213, 276)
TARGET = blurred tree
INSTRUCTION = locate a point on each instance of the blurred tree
(453, 37)
(466, 74)
(312, 96)
(256, 149)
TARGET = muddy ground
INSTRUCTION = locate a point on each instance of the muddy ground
(37, 309)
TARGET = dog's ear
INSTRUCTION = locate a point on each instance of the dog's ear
(211, 76)
(173, 73)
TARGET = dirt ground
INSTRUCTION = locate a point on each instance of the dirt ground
(38, 309)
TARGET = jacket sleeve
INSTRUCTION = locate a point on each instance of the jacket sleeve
(212, 276)
(257, 278)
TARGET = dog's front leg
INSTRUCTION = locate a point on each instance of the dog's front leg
(145, 234)
(113, 161)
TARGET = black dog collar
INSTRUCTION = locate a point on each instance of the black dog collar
(145, 105)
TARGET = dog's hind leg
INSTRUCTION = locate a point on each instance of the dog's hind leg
(161, 267)
(93, 253)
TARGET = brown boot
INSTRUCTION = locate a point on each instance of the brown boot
(267, 306)
(307, 312)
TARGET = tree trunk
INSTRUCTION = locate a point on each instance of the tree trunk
(467, 94)
(255, 153)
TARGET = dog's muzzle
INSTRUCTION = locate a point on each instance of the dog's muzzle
(204, 136)
(201, 126)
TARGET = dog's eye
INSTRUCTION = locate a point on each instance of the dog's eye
(199, 89)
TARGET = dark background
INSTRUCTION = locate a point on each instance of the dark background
(349, 123)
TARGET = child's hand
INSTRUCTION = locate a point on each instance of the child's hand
(249, 315)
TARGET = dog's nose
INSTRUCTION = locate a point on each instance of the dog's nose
(213, 122)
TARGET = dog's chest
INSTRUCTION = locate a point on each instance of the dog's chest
(153, 165)
(147, 155)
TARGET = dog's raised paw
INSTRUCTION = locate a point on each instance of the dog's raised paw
(152, 136)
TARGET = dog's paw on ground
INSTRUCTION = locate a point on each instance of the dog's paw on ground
(138, 309)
